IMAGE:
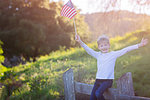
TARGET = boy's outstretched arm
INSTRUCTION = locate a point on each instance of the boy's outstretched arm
(88, 50)
(130, 48)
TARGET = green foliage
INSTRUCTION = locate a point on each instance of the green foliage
(11, 82)
(3, 93)
(2, 68)
(1, 52)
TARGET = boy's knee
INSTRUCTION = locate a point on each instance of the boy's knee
(98, 94)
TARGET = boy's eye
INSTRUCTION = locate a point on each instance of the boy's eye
(101, 45)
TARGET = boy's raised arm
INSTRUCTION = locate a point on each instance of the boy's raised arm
(130, 48)
(88, 50)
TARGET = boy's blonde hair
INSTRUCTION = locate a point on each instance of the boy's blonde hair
(102, 38)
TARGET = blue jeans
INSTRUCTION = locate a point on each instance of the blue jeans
(100, 86)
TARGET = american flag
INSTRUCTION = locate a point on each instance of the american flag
(68, 10)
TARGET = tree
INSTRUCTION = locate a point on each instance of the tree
(29, 28)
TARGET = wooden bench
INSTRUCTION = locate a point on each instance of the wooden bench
(124, 90)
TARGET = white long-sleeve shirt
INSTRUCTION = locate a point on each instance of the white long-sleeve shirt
(106, 61)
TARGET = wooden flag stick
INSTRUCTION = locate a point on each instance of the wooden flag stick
(75, 26)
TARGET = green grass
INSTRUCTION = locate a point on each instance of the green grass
(43, 78)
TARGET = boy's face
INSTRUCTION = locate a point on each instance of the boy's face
(104, 46)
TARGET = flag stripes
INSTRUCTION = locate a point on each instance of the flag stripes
(68, 10)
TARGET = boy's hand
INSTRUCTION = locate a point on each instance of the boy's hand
(77, 38)
(143, 42)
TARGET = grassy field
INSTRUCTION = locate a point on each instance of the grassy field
(43, 78)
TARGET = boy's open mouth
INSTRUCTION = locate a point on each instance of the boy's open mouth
(104, 50)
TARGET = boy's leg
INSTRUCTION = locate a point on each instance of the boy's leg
(103, 86)
(95, 87)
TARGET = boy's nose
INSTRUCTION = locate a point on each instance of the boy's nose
(105, 47)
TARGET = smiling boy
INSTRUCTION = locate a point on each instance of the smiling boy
(105, 63)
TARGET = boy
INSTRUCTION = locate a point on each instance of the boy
(105, 63)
